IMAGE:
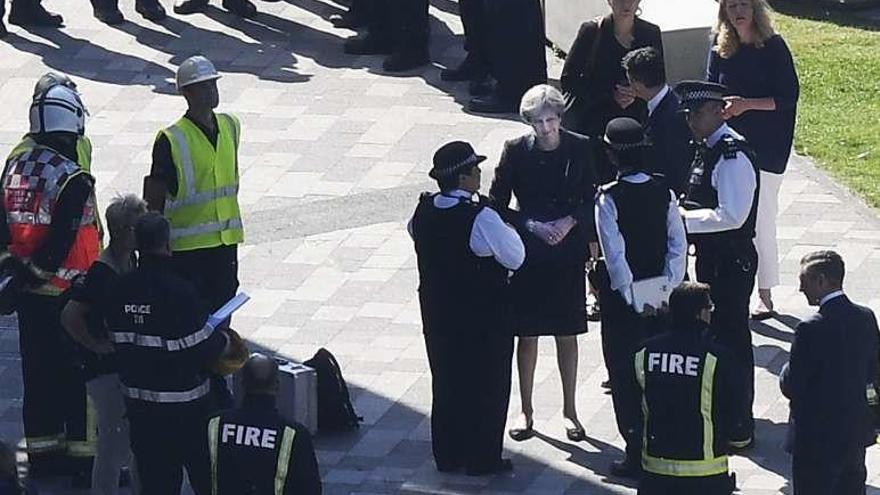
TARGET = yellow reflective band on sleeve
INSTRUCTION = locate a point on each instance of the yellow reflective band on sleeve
(49, 443)
(213, 440)
(707, 389)
(684, 469)
(284, 459)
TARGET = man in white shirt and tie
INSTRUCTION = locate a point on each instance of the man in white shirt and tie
(465, 256)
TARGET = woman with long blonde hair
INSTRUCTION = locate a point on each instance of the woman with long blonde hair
(755, 64)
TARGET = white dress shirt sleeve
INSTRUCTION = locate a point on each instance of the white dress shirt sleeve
(735, 181)
(613, 246)
(676, 244)
(490, 236)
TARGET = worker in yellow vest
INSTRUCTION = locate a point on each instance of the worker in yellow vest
(194, 181)
(49, 235)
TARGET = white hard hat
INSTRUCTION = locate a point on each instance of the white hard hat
(195, 70)
(58, 109)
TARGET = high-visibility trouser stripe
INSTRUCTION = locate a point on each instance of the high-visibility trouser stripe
(154, 341)
(29, 217)
(640, 377)
(206, 228)
(189, 171)
(284, 459)
(708, 382)
(684, 469)
(167, 397)
(47, 443)
(213, 446)
(88, 447)
(202, 197)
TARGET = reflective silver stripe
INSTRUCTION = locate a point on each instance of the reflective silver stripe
(155, 341)
(167, 397)
(213, 445)
(202, 197)
(206, 228)
(189, 171)
(30, 218)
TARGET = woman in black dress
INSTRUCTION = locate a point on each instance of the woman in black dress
(551, 173)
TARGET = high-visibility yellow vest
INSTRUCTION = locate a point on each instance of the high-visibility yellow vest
(83, 151)
(205, 211)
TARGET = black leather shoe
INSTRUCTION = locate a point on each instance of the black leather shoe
(492, 103)
(38, 16)
(468, 70)
(626, 469)
(367, 45)
(151, 11)
(403, 61)
(3, 30)
(481, 87)
(347, 21)
(502, 466)
(448, 468)
(110, 16)
(185, 7)
(241, 8)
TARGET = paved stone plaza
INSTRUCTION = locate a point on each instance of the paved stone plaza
(333, 157)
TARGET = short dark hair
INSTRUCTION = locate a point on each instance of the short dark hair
(646, 66)
(686, 302)
(152, 232)
(827, 263)
(259, 375)
(450, 182)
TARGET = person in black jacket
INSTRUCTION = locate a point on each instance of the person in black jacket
(253, 449)
(165, 345)
(551, 172)
(671, 150)
(592, 77)
(687, 387)
(642, 237)
(465, 254)
(831, 375)
(399, 29)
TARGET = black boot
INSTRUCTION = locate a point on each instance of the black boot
(469, 70)
(367, 45)
(3, 31)
(109, 15)
(151, 10)
(493, 103)
(241, 8)
(34, 16)
(405, 60)
(184, 7)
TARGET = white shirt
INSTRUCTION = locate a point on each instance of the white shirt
(490, 236)
(830, 296)
(614, 246)
(654, 102)
(735, 181)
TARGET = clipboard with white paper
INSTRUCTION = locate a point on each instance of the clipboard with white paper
(227, 309)
(653, 292)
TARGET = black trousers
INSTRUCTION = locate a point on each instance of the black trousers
(56, 414)
(826, 474)
(166, 442)
(470, 382)
(475, 19)
(404, 23)
(653, 484)
(516, 38)
(25, 6)
(623, 330)
(214, 272)
(730, 270)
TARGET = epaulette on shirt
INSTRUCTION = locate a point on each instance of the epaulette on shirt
(731, 147)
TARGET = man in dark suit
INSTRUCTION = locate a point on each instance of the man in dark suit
(666, 126)
(830, 379)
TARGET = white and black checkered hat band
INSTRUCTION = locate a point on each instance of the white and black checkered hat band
(446, 171)
(702, 94)
(627, 146)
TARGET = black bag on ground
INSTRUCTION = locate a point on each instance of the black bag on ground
(335, 412)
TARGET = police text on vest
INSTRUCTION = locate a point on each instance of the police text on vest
(673, 363)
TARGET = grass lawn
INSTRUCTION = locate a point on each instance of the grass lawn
(838, 61)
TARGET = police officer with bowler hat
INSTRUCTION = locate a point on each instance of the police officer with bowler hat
(465, 255)
(719, 209)
(642, 237)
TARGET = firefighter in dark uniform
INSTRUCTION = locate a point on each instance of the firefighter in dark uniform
(165, 345)
(253, 449)
(719, 210)
(689, 393)
(49, 235)
(465, 254)
(642, 237)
